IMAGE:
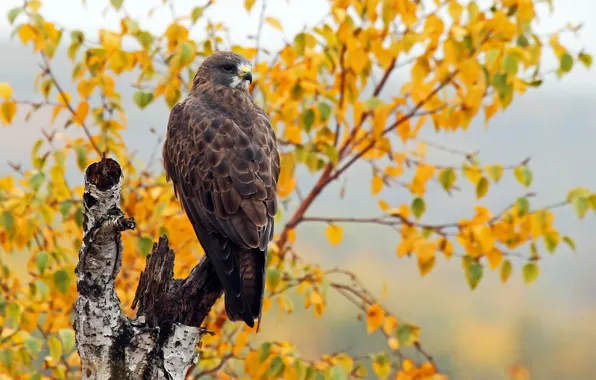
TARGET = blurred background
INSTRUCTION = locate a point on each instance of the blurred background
(548, 326)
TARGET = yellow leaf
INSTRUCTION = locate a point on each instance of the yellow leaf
(293, 134)
(383, 205)
(374, 318)
(9, 109)
(291, 235)
(55, 113)
(345, 361)
(55, 349)
(376, 185)
(394, 171)
(446, 247)
(382, 366)
(494, 257)
(389, 324)
(64, 98)
(248, 4)
(27, 33)
(274, 23)
(109, 40)
(334, 234)
(81, 113)
(85, 88)
(33, 5)
(5, 90)
(241, 341)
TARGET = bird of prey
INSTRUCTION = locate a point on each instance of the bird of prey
(221, 154)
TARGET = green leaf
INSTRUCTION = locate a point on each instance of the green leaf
(581, 206)
(13, 14)
(42, 289)
(6, 358)
(373, 103)
(13, 315)
(530, 272)
(337, 372)
(523, 175)
(481, 187)
(145, 39)
(55, 348)
(41, 261)
(506, 269)
(81, 153)
(277, 367)
(264, 351)
(324, 111)
(578, 192)
(491, 56)
(273, 278)
(523, 206)
(37, 180)
(535, 83)
(510, 64)
(586, 59)
(332, 154)
(79, 217)
(592, 201)
(34, 346)
(62, 280)
(300, 43)
(522, 41)
(7, 220)
(551, 240)
(145, 245)
(565, 62)
(447, 178)
(117, 3)
(494, 172)
(65, 207)
(67, 337)
(142, 98)
(406, 334)
(186, 52)
(418, 207)
(473, 271)
(197, 12)
(569, 241)
(308, 118)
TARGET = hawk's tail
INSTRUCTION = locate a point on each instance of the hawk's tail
(248, 304)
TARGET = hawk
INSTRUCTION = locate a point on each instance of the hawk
(221, 154)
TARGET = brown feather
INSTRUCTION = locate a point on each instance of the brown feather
(220, 152)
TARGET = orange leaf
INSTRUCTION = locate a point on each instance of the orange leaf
(81, 113)
(374, 318)
(8, 110)
(376, 185)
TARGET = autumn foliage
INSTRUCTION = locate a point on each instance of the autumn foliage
(327, 95)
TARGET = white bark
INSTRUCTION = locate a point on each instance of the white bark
(158, 344)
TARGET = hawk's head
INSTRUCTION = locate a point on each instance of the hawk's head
(225, 68)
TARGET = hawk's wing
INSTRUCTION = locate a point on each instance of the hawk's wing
(226, 176)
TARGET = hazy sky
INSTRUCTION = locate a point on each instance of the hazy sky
(554, 124)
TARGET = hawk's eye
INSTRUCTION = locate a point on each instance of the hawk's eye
(228, 68)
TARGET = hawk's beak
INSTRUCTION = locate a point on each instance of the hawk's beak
(245, 73)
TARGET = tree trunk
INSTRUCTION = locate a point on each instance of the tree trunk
(160, 342)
